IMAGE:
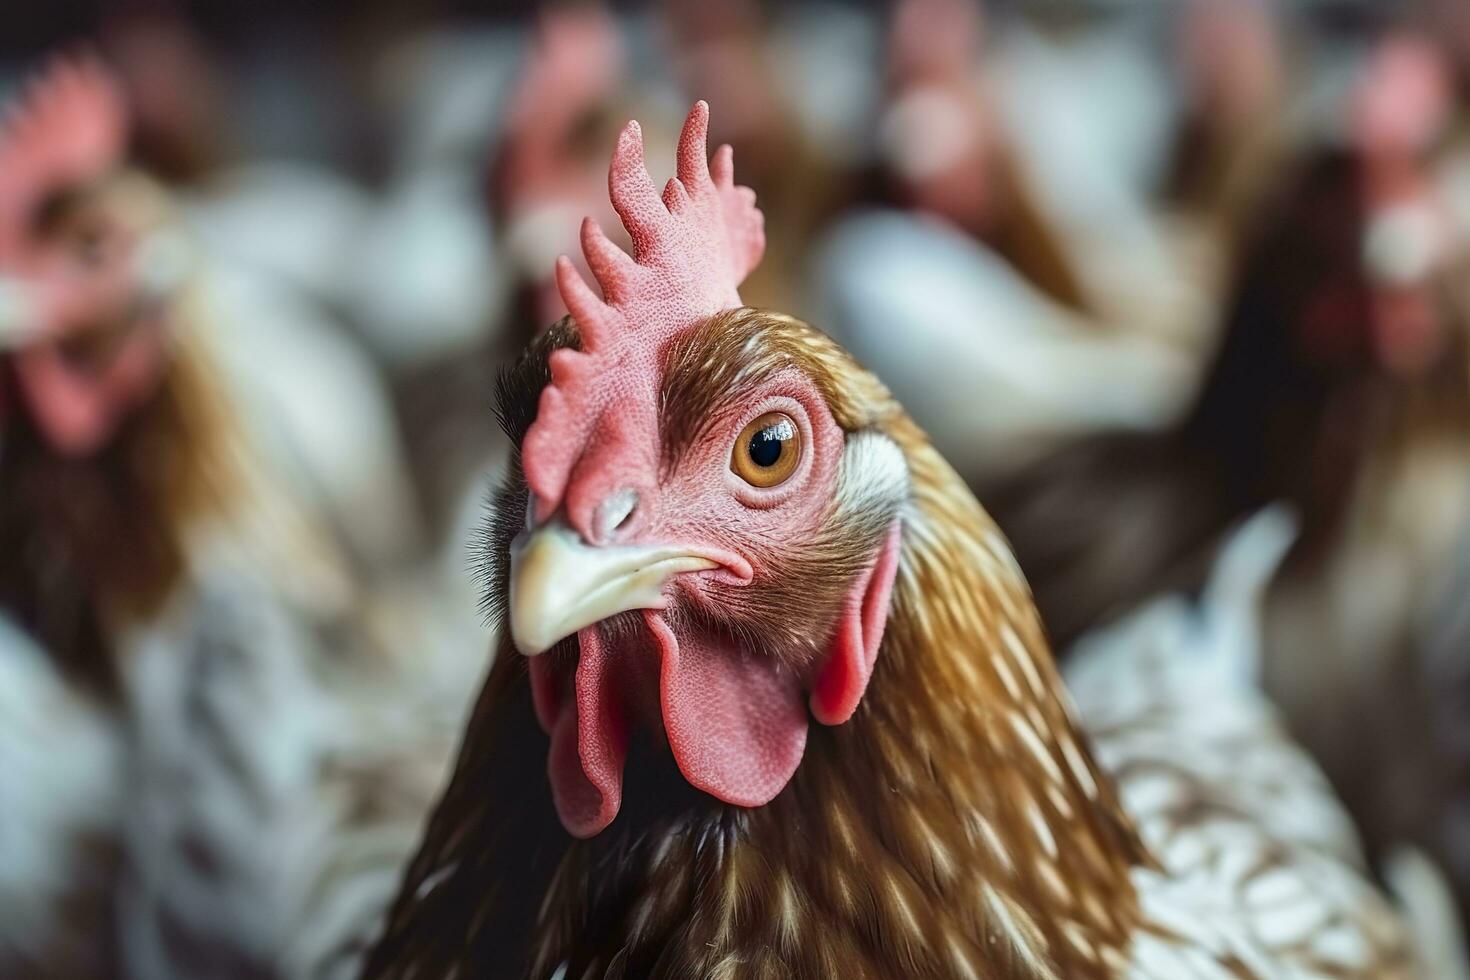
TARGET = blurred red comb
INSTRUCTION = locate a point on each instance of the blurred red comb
(930, 39)
(68, 126)
(575, 63)
(692, 247)
(1404, 98)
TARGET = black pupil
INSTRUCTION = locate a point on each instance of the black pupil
(767, 445)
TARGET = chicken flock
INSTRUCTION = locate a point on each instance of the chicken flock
(509, 571)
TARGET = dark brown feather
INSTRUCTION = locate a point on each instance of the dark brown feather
(1284, 413)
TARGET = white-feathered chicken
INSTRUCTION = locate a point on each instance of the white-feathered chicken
(1010, 175)
(235, 778)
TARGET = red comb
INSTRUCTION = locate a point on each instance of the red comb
(575, 65)
(577, 57)
(692, 247)
(68, 127)
(1404, 98)
(930, 39)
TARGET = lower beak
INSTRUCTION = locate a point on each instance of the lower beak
(559, 584)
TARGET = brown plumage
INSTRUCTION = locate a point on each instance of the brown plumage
(1233, 59)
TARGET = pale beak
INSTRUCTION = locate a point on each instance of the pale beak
(19, 315)
(163, 263)
(559, 584)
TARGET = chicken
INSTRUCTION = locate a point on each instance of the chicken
(99, 459)
(58, 840)
(1231, 59)
(899, 286)
(1352, 655)
(720, 528)
(234, 789)
(741, 53)
(1335, 370)
(459, 239)
(1440, 667)
(1085, 113)
(995, 260)
(544, 172)
(1341, 388)
(944, 143)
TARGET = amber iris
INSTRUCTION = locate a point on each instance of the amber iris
(767, 451)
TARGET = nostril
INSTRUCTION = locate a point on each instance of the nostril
(616, 512)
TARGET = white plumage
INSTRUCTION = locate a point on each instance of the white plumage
(1261, 863)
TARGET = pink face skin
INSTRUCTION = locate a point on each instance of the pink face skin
(696, 597)
(1401, 106)
(1404, 99)
(79, 407)
(703, 504)
(939, 134)
(1231, 58)
(102, 355)
(710, 669)
(545, 181)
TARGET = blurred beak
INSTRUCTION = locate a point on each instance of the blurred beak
(164, 263)
(559, 584)
(19, 317)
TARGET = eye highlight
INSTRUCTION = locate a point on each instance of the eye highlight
(767, 451)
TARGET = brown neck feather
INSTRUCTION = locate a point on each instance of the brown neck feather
(956, 826)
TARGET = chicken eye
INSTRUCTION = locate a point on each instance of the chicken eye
(767, 451)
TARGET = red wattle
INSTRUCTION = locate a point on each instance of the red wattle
(735, 720)
(589, 740)
(843, 677)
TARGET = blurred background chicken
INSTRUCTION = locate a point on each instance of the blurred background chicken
(1340, 386)
(986, 265)
(1139, 270)
(177, 604)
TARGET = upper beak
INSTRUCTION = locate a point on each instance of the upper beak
(559, 584)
